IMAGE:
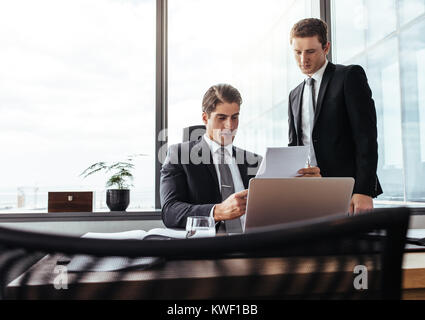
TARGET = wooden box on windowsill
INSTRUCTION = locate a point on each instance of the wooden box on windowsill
(70, 202)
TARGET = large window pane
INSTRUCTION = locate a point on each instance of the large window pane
(410, 9)
(241, 42)
(420, 60)
(76, 87)
(394, 61)
(412, 44)
(345, 22)
(384, 78)
(381, 17)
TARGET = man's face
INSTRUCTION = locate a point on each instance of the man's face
(310, 54)
(223, 123)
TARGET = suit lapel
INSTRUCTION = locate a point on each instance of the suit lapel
(213, 172)
(327, 76)
(297, 111)
(242, 166)
(204, 152)
(243, 171)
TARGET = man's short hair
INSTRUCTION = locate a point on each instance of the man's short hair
(309, 28)
(220, 93)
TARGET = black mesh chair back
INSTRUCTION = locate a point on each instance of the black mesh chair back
(339, 258)
(193, 133)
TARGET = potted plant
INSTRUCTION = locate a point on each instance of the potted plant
(117, 199)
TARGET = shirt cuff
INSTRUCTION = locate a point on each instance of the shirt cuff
(212, 216)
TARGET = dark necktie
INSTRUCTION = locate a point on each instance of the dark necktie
(227, 189)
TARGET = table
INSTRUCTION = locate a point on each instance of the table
(414, 276)
(220, 279)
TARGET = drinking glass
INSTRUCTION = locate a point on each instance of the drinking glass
(200, 227)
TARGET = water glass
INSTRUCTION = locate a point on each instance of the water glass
(200, 227)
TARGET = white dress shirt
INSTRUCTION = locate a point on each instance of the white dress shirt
(307, 121)
(234, 169)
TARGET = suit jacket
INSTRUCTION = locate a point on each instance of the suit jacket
(189, 183)
(345, 132)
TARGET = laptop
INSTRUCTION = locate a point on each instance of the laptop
(279, 201)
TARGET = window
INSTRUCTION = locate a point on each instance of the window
(411, 9)
(76, 87)
(386, 38)
(241, 42)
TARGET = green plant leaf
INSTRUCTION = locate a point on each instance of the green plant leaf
(121, 172)
(93, 169)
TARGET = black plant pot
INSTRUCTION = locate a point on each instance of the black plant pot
(117, 199)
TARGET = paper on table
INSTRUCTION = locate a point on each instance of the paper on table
(138, 234)
(283, 162)
(416, 233)
(126, 235)
(415, 238)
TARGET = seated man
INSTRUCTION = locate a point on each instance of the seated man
(209, 177)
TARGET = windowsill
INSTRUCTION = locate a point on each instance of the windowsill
(80, 216)
(31, 216)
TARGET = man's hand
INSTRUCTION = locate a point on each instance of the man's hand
(310, 172)
(231, 208)
(360, 203)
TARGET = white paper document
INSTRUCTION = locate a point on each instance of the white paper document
(416, 233)
(283, 162)
(138, 234)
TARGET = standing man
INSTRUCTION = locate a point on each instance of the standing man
(333, 112)
(210, 176)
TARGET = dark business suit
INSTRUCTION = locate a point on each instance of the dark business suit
(189, 183)
(344, 133)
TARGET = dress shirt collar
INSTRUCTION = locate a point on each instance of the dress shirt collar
(318, 76)
(214, 146)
